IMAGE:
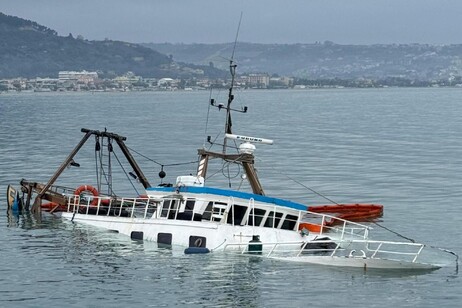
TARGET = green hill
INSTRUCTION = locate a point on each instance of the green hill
(28, 49)
(328, 60)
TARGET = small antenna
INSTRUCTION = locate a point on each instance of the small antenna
(237, 35)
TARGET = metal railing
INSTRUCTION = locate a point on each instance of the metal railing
(144, 208)
(149, 208)
(332, 248)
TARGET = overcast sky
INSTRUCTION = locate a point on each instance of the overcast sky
(264, 21)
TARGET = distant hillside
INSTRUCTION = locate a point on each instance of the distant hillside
(328, 60)
(28, 49)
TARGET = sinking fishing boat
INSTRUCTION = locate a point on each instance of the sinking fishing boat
(203, 218)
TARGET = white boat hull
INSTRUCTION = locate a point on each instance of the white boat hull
(216, 234)
(221, 236)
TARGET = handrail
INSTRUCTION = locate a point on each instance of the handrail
(301, 250)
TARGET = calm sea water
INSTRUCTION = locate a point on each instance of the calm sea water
(397, 147)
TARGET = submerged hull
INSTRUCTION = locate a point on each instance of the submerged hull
(272, 243)
(185, 233)
(365, 263)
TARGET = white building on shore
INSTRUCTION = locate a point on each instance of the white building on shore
(83, 76)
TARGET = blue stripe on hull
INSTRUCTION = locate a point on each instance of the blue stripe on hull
(230, 193)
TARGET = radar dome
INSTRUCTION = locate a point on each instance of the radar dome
(246, 148)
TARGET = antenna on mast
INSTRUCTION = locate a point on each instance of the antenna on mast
(232, 70)
(235, 40)
(244, 156)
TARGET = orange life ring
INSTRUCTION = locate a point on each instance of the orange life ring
(88, 188)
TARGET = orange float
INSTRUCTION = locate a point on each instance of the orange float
(53, 206)
(352, 212)
(310, 227)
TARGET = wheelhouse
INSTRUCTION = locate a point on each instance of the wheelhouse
(226, 207)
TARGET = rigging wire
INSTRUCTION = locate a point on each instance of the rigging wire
(102, 172)
(237, 35)
(228, 175)
(106, 177)
(126, 174)
(431, 246)
(214, 140)
(222, 168)
(303, 185)
(163, 165)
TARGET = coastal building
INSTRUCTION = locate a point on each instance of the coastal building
(6, 85)
(127, 79)
(45, 84)
(17, 84)
(81, 77)
(258, 80)
(281, 82)
(168, 83)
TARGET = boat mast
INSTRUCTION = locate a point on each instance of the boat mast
(232, 70)
(228, 123)
(245, 159)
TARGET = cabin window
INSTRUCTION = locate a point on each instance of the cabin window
(189, 205)
(152, 207)
(170, 209)
(187, 214)
(207, 215)
(173, 209)
(289, 222)
(272, 221)
(239, 214)
(259, 214)
(165, 208)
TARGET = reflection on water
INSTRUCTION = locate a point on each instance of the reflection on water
(110, 266)
(26, 220)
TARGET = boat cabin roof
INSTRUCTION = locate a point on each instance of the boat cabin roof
(228, 193)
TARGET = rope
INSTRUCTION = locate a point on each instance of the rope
(211, 250)
(303, 185)
(222, 169)
(126, 174)
(312, 190)
(394, 232)
(165, 165)
(102, 172)
(228, 176)
(451, 253)
(434, 247)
